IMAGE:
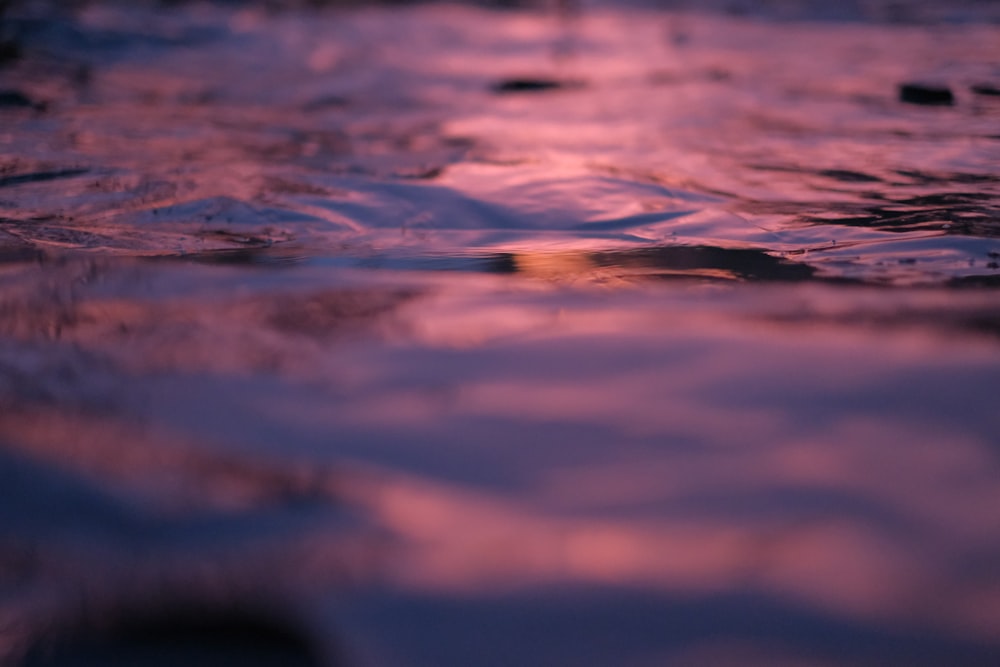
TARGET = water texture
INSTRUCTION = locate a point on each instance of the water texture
(457, 335)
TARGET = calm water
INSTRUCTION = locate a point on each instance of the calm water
(441, 336)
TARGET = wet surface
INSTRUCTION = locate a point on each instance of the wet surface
(445, 335)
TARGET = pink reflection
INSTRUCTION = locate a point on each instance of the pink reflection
(700, 442)
(829, 446)
(460, 541)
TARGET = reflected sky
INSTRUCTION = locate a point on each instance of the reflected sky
(380, 132)
(491, 437)
(465, 336)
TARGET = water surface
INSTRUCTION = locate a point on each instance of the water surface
(450, 335)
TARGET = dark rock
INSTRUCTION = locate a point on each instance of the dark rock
(9, 51)
(182, 635)
(986, 89)
(926, 94)
(508, 86)
(848, 176)
(15, 99)
(39, 176)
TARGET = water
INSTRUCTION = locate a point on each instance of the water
(441, 335)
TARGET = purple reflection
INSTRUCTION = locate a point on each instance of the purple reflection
(448, 335)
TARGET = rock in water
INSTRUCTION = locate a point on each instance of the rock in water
(986, 89)
(15, 98)
(926, 94)
(526, 85)
(192, 635)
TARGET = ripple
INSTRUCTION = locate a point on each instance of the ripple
(468, 334)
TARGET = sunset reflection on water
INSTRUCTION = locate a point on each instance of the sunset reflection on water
(495, 438)
(462, 336)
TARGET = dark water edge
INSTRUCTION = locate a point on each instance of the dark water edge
(422, 334)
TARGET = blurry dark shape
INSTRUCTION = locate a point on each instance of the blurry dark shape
(849, 176)
(530, 85)
(39, 176)
(988, 89)
(182, 634)
(9, 51)
(926, 94)
(17, 99)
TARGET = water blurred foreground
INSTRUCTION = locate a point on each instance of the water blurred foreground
(444, 335)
